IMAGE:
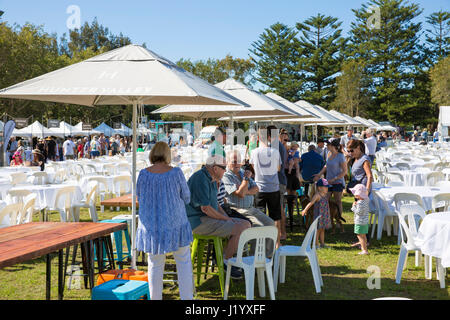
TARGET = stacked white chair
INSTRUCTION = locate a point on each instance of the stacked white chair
(307, 249)
(441, 201)
(258, 262)
(121, 186)
(401, 199)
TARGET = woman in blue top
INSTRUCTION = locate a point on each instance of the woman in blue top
(361, 172)
(163, 227)
(335, 168)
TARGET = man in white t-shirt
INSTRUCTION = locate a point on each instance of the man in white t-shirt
(371, 145)
(190, 139)
(68, 149)
(266, 162)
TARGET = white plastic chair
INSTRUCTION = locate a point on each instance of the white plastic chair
(17, 195)
(88, 202)
(28, 209)
(40, 177)
(258, 262)
(443, 184)
(307, 249)
(393, 176)
(63, 204)
(440, 166)
(381, 214)
(121, 186)
(11, 212)
(102, 190)
(378, 176)
(109, 169)
(409, 217)
(429, 165)
(89, 169)
(124, 168)
(395, 184)
(434, 177)
(60, 175)
(441, 200)
(18, 178)
(402, 166)
(4, 190)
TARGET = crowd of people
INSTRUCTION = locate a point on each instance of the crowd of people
(229, 195)
(72, 148)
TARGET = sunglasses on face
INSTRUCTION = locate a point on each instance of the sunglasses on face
(221, 167)
(350, 150)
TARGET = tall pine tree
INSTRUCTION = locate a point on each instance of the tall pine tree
(320, 58)
(391, 52)
(438, 36)
(275, 54)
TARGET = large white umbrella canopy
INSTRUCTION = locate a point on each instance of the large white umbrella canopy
(36, 129)
(364, 121)
(128, 75)
(348, 120)
(258, 105)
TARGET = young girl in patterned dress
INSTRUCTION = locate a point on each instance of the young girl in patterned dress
(321, 208)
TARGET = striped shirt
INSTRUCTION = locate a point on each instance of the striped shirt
(232, 183)
(361, 210)
(221, 193)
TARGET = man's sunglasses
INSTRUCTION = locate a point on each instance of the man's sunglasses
(221, 167)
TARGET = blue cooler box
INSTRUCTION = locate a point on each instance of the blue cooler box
(121, 290)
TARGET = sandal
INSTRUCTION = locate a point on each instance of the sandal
(363, 252)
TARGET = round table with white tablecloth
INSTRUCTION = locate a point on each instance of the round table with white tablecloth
(433, 236)
(425, 192)
(415, 177)
(46, 194)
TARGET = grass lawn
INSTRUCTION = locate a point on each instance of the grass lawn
(344, 272)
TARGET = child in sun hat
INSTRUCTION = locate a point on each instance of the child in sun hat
(361, 209)
(321, 208)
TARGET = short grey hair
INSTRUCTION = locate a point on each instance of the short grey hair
(232, 153)
(215, 160)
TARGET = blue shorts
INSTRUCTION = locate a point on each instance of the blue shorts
(339, 187)
(95, 153)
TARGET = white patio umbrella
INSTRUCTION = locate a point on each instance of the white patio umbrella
(364, 121)
(348, 120)
(258, 105)
(130, 75)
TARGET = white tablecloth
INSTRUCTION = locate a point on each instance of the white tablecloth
(433, 237)
(426, 193)
(416, 177)
(46, 194)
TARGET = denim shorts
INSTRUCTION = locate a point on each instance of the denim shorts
(339, 187)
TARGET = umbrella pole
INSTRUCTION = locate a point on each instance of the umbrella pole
(133, 191)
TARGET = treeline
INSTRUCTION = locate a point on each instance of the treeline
(388, 66)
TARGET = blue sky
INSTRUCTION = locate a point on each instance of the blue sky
(196, 29)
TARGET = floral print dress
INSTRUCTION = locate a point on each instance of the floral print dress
(322, 208)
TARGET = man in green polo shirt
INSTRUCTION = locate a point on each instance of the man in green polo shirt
(206, 216)
(218, 140)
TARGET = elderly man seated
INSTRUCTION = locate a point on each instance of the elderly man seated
(204, 213)
(241, 189)
(240, 192)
